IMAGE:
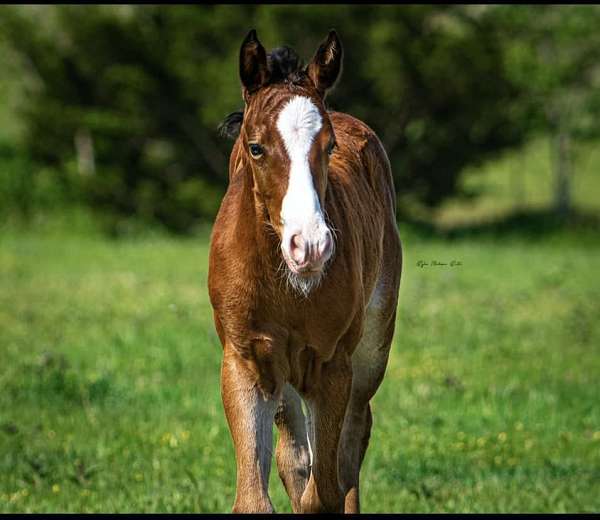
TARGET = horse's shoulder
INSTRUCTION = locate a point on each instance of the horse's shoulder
(358, 144)
(349, 125)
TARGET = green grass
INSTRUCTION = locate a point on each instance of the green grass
(110, 364)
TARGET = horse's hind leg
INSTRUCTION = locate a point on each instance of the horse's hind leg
(368, 366)
(293, 452)
(353, 446)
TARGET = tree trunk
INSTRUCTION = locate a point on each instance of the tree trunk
(517, 181)
(562, 171)
(84, 146)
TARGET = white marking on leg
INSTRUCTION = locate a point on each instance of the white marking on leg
(310, 431)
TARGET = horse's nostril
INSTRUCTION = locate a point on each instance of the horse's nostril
(298, 249)
(305, 253)
(325, 245)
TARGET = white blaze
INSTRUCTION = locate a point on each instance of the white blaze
(298, 123)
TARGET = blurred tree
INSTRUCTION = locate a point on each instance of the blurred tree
(130, 96)
(129, 92)
(428, 79)
(551, 54)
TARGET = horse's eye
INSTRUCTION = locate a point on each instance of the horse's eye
(331, 147)
(256, 150)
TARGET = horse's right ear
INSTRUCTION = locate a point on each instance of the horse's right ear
(253, 64)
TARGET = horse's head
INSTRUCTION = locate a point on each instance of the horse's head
(287, 139)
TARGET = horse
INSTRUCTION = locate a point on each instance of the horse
(304, 273)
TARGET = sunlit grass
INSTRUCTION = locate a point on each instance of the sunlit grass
(523, 179)
(110, 379)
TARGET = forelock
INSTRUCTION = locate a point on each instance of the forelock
(285, 66)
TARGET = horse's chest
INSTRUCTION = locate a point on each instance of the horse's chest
(316, 323)
(284, 339)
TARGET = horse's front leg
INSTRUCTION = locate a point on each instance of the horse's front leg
(327, 404)
(250, 413)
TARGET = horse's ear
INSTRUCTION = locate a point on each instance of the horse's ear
(253, 64)
(326, 64)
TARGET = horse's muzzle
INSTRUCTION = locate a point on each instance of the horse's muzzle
(306, 256)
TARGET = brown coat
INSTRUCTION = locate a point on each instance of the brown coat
(330, 346)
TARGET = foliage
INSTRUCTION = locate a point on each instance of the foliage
(27, 190)
(139, 91)
(550, 53)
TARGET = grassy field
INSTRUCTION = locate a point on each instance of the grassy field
(110, 364)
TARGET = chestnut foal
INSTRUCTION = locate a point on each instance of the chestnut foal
(304, 274)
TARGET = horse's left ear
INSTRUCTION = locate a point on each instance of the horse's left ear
(326, 64)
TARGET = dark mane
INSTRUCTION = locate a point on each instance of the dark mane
(284, 66)
(230, 126)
